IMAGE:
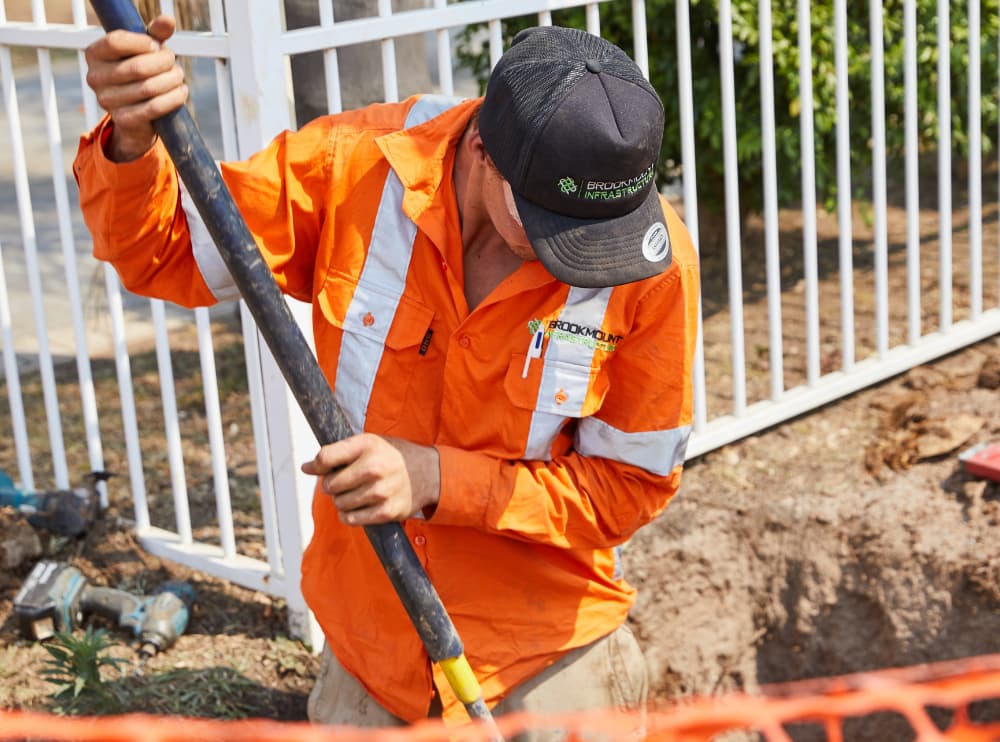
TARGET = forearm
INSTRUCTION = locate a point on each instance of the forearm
(120, 148)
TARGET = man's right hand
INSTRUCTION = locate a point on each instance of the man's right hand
(137, 80)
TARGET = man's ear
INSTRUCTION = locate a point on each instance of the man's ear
(473, 141)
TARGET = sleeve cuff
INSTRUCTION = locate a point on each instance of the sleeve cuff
(466, 481)
(111, 189)
(141, 171)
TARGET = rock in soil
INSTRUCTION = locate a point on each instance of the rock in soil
(19, 543)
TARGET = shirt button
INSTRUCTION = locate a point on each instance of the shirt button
(419, 540)
(464, 341)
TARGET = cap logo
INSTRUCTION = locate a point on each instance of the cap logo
(656, 243)
(567, 185)
(607, 190)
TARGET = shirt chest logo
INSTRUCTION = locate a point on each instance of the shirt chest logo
(578, 334)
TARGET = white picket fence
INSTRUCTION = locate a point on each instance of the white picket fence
(240, 80)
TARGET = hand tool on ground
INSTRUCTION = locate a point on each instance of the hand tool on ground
(252, 275)
(56, 596)
(64, 512)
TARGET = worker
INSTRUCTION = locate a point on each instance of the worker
(506, 310)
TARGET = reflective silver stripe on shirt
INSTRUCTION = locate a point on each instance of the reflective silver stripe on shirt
(619, 572)
(656, 451)
(566, 372)
(380, 286)
(376, 298)
(210, 263)
(427, 107)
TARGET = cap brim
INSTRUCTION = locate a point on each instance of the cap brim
(597, 253)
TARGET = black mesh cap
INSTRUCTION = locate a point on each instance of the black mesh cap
(574, 127)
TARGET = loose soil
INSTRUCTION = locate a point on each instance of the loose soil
(799, 553)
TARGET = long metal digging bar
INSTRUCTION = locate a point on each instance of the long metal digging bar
(301, 371)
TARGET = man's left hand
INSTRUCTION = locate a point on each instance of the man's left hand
(375, 479)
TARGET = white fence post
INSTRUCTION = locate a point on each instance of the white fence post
(260, 94)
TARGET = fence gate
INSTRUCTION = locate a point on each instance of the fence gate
(191, 410)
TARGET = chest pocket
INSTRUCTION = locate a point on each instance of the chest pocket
(563, 382)
(381, 336)
(553, 394)
(564, 389)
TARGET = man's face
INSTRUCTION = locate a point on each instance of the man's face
(499, 201)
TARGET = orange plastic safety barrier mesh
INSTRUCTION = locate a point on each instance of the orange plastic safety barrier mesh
(827, 702)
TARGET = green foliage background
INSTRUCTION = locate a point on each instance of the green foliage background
(616, 25)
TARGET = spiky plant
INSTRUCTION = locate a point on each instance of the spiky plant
(75, 667)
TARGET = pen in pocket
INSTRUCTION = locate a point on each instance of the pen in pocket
(534, 351)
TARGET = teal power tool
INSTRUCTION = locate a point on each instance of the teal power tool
(67, 512)
(56, 596)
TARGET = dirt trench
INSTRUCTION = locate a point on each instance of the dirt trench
(786, 558)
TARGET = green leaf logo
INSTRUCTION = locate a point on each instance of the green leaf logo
(567, 185)
(533, 326)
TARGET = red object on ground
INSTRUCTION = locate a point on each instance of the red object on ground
(982, 460)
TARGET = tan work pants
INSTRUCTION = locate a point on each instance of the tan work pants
(609, 673)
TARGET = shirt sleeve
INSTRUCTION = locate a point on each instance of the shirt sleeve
(143, 222)
(591, 501)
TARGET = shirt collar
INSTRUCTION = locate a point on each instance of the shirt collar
(422, 156)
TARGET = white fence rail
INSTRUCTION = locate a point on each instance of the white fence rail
(206, 493)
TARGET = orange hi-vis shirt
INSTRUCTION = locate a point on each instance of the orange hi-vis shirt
(560, 414)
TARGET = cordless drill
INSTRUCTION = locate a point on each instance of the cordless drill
(55, 597)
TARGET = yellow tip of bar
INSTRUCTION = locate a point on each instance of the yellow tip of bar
(461, 679)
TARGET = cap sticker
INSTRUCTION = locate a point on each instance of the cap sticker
(656, 243)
